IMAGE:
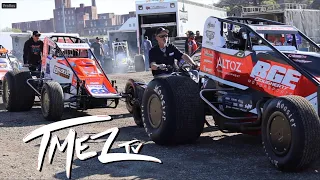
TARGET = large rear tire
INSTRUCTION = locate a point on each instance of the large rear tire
(52, 103)
(17, 94)
(139, 63)
(291, 133)
(172, 111)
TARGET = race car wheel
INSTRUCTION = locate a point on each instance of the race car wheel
(172, 112)
(52, 103)
(136, 113)
(17, 94)
(131, 91)
(139, 63)
(291, 133)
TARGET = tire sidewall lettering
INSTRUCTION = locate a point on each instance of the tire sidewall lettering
(155, 87)
(292, 115)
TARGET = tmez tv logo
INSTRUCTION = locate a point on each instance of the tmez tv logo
(276, 76)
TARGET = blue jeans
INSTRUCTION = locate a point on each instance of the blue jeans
(146, 61)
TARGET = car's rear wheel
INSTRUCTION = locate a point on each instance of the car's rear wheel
(172, 111)
(17, 94)
(52, 103)
(291, 133)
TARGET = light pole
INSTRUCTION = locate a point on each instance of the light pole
(63, 18)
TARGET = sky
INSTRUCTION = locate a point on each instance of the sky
(43, 9)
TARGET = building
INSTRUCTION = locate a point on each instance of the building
(44, 26)
(105, 22)
(83, 20)
(58, 3)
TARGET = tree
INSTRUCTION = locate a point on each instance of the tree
(7, 29)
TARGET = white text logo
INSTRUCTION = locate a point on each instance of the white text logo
(229, 65)
(276, 76)
(76, 144)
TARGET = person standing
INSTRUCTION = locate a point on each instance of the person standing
(192, 45)
(146, 48)
(198, 38)
(98, 50)
(186, 47)
(32, 52)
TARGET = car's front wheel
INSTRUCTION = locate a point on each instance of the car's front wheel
(291, 133)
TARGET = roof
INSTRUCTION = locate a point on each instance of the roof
(130, 24)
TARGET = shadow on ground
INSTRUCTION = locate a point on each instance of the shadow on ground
(212, 157)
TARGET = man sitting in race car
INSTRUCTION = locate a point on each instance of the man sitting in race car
(164, 54)
(32, 51)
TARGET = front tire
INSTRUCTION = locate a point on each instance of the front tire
(172, 111)
(291, 133)
(52, 103)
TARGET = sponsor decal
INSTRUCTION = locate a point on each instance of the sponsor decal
(210, 34)
(229, 65)
(208, 53)
(73, 45)
(240, 54)
(301, 61)
(98, 89)
(275, 76)
(61, 72)
(211, 25)
(207, 69)
(297, 56)
(155, 7)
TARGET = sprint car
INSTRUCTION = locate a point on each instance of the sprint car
(7, 62)
(257, 77)
(67, 77)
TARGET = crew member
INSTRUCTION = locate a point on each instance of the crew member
(147, 45)
(32, 52)
(98, 50)
(164, 54)
(192, 44)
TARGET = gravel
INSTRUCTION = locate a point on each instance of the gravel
(215, 156)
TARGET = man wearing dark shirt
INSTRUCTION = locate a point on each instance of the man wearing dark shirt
(32, 51)
(164, 54)
(98, 49)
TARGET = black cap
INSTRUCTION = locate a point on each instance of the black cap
(191, 33)
(161, 29)
(97, 38)
(36, 33)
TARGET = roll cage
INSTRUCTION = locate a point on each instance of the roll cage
(248, 28)
(75, 40)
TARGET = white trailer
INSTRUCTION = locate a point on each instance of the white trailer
(18, 40)
(178, 16)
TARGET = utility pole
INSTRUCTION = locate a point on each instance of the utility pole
(63, 18)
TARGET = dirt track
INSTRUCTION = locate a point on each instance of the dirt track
(215, 156)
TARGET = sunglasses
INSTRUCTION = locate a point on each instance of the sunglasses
(162, 36)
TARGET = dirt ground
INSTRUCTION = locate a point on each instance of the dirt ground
(215, 156)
